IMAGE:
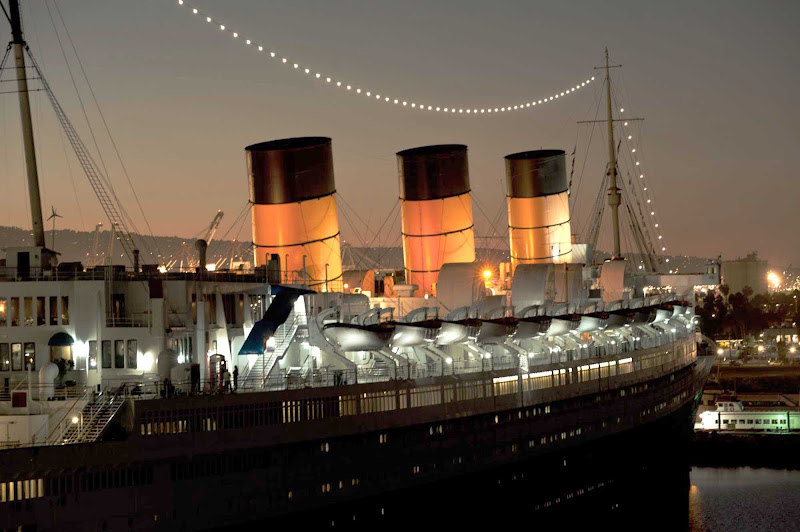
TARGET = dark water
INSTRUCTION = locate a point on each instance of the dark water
(669, 498)
(744, 499)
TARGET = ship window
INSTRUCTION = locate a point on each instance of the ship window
(93, 354)
(119, 353)
(133, 352)
(5, 358)
(30, 355)
(229, 307)
(3, 312)
(28, 309)
(106, 355)
(64, 310)
(53, 310)
(40, 318)
(14, 311)
(58, 352)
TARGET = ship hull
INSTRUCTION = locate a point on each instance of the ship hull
(218, 479)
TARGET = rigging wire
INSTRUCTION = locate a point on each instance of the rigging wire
(73, 184)
(575, 197)
(106, 127)
(153, 242)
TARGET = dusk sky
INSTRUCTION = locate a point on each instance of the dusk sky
(716, 82)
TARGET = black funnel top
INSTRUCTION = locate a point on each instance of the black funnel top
(531, 174)
(290, 170)
(433, 172)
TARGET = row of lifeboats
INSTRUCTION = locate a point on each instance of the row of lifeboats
(443, 332)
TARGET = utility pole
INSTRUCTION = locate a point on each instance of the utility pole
(18, 44)
(613, 190)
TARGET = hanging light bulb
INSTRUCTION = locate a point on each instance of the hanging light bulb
(472, 111)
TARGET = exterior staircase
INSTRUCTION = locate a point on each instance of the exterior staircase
(91, 422)
(256, 376)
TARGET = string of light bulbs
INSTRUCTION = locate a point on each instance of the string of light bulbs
(351, 88)
(639, 172)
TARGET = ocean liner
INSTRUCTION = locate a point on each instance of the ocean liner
(115, 408)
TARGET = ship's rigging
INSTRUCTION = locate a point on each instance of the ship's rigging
(626, 198)
(99, 180)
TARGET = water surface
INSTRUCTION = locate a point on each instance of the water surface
(744, 499)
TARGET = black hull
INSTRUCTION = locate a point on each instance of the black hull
(313, 478)
(618, 482)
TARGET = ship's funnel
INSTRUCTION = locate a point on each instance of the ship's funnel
(538, 207)
(437, 211)
(294, 209)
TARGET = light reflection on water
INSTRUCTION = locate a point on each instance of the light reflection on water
(744, 499)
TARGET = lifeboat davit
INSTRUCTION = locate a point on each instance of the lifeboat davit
(415, 334)
(532, 327)
(497, 330)
(351, 337)
(456, 332)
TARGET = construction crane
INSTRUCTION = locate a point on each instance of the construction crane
(185, 261)
(212, 229)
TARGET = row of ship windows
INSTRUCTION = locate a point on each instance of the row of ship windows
(157, 422)
(21, 490)
(75, 483)
(34, 311)
(123, 355)
(17, 356)
(585, 373)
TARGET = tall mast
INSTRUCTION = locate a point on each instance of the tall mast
(18, 43)
(613, 190)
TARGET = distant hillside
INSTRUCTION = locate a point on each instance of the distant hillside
(76, 246)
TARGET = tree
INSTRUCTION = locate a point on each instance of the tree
(783, 350)
(725, 290)
(747, 292)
